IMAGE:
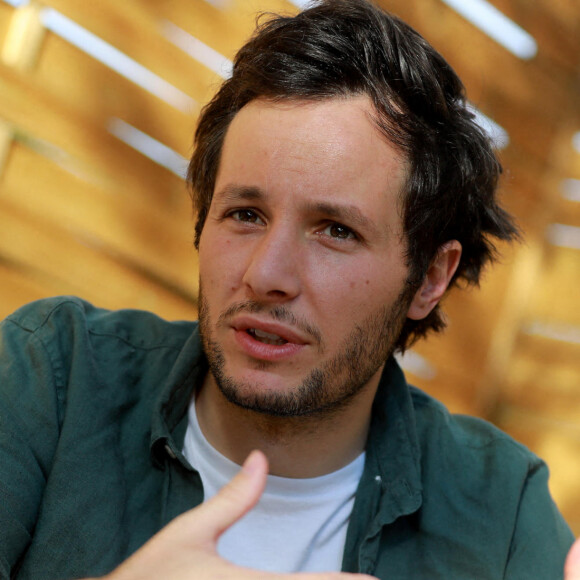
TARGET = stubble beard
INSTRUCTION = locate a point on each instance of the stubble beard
(326, 389)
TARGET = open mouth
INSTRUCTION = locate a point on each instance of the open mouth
(266, 337)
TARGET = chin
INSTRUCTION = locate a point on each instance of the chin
(273, 395)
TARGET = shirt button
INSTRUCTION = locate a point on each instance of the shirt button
(170, 452)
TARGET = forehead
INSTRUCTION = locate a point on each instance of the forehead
(326, 150)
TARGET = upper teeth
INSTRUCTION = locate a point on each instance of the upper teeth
(266, 336)
(262, 334)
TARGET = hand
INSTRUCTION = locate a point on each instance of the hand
(572, 566)
(186, 548)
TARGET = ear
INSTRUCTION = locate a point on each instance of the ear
(436, 280)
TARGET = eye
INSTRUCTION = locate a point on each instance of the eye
(339, 232)
(246, 215)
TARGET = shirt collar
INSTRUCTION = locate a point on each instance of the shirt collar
(393, 453)
(169, 421)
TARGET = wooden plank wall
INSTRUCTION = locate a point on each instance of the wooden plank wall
(82, 212)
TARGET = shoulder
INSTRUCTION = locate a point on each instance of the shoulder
(491, 489)
(469, 447)
(71, 344)
(67, 356)
(73, 317)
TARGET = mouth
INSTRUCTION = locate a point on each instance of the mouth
(267, 331)
(266, 337)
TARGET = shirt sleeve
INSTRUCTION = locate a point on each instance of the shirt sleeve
(28, 436)
(541, 537)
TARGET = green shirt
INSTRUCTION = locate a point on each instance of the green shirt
(93, 412)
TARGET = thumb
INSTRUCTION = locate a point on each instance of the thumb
(572, 566)
(234, 500)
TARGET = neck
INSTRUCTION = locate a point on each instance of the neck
(297, 447)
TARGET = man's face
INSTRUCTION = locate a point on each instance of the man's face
(302, 275)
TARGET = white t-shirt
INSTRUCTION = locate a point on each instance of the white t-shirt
(299, 525)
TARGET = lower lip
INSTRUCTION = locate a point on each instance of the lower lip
(263, 351)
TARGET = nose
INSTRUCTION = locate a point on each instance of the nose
(273, 272)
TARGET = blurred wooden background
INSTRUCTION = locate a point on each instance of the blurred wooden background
(83, 211)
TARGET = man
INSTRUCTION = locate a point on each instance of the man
(341, 187)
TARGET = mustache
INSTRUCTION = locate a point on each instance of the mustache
(278, 313)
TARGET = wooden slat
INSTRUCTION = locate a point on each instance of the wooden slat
(142, 234)
(19, 286)
(6, 138)
(100, 156)
(544, 377)
(455, 387)
(568, 212)
(225, 29)
(554, 26)
(133, 29)
(567, 159)
(6, 12)
(78, 81)
(77, 267)
(23, 40)
(214, 27)
(531, 132)
(555, 295)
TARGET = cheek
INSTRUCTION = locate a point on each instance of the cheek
(353, 285)
(341, 292)
(356, 292)
(221, 264)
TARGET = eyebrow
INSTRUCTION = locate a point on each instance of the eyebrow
(234, 192)
(344, 213)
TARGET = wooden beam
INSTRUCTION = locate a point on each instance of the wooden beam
(6, 136)
(121, 225)
(24, 38)
(75, 265)
(97, 154)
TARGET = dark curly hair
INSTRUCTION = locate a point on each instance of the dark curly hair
(351, 47)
